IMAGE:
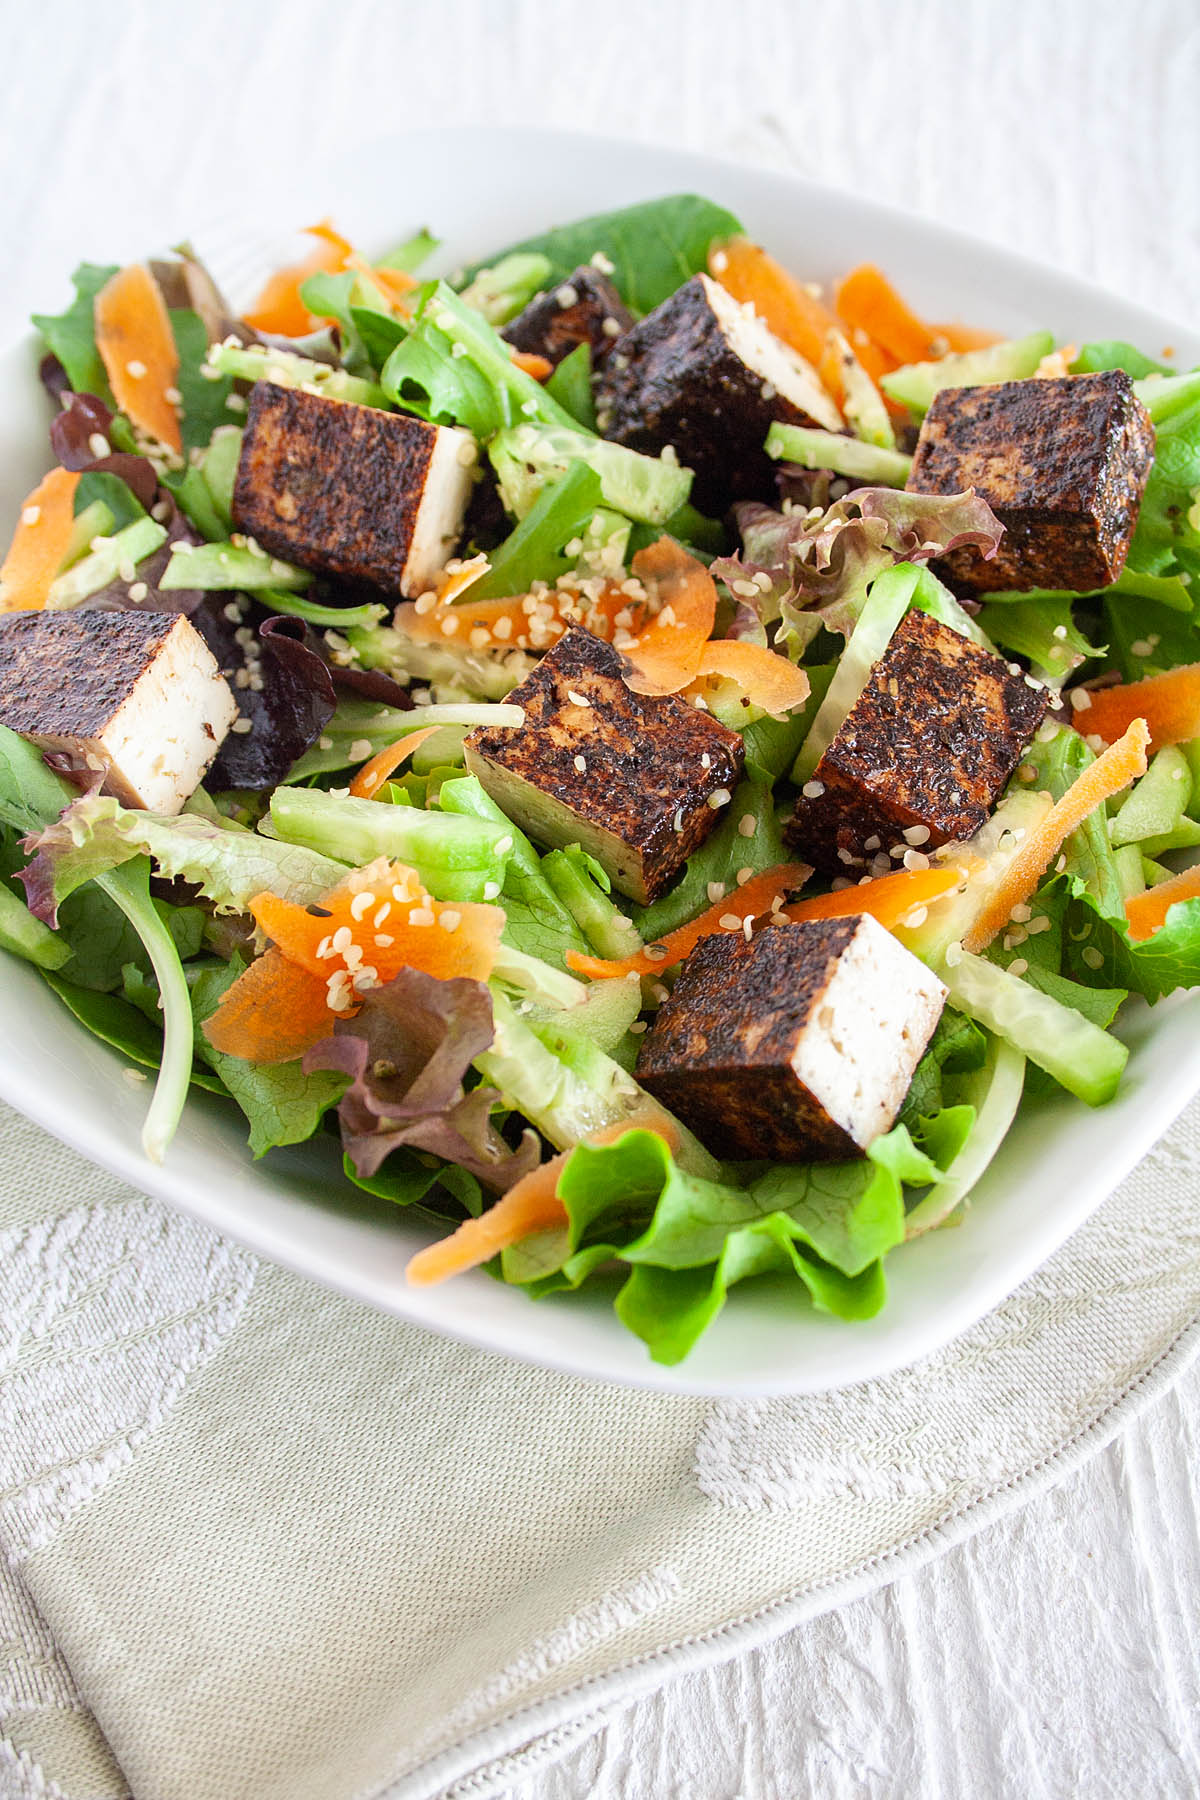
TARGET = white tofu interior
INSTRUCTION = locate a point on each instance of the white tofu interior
(443, 502)
(868, 1032)
(167, 731)
(779, 366)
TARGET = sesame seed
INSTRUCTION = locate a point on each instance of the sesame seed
(914, 834)
(1060, 631)
(242, 726)
(653, 953)
(677, 822)
(359, 748)
(172, 396)
(638, 1026)
(747, 825)
(1092, 957)
(1080, 699)
(491, 890)
(812, 790)
(421, 915)
(98, 445)
(610, 327)
(716, 891)
(577, 699)
(1018, 966)
(135, 369)
(580, 765)
(450, 626)
(871, 844)
(383, 939)
(340, 793)
(126, 570)
(1020, 913)
(425, 602)
(450, 921)
(730, 921)
(747, 928)
(503, 845)
(719, 797)
(1036, 926)
(915, 859)
(362, 903)
(916, 918)
(30, 515)
(138, 590)
(954, 955)
(134, 1076)
(1141, 647)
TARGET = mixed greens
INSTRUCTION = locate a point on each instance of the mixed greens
(342, 930)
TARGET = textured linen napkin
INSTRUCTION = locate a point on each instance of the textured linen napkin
(260, 1541)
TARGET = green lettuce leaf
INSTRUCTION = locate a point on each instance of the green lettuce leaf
(71, 335)
(203, 405)
(723, 853)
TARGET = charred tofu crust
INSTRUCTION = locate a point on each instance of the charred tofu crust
(639, 771)
(340, 488)
(727, 1051)
(584, 309)
(675, 379)
(1063, 464)
(66, 674)
(931, 741)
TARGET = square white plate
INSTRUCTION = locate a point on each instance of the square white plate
(480, 189)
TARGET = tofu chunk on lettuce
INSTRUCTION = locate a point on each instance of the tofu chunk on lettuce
(799, 1045)
(704, 374)
(638, 781)
(1062, 463)
(584, 309)
(137, 695)
(922, 756)
(351, 491)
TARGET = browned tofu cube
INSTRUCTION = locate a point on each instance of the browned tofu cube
(351, 491)
(584, 309)
(923, 754)
(704, 375)
(798, 1045)
(638, 781)
(1063, 465)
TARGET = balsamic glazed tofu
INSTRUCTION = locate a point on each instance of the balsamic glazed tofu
(705, 375)
(922, 755)
(638, 781)
(351, 491)
(1063, 465)
(137, 694)
(798, 1045)
(584, 309)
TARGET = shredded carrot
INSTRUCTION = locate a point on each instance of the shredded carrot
(39, 542)
(520, 622)
(397, 286)
(532, 1204)
(784, 304)
(1170, 705)
(279, 308)
(137, 347)
(765, 678)
(868, 302)
(272, 1013)
(760, 894)
(1113, 770)
(666, 656)
(383, 921)
(889, 898)
(540, 367)
(1146, 912)
(961, 338)
(373, 774)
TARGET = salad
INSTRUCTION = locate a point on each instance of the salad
(661, 759)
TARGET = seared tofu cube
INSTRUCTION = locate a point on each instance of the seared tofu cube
(351, 491)
(922, 755)
(705, 375)
(137, 694)
(584, 309)
(798, 1045)
(1063, 465)
(638, 781)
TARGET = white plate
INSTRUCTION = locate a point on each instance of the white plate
(479, 189)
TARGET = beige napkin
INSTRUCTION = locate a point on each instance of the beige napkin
(263, 1542)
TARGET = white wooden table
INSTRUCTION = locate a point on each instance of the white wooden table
(1057, 1654)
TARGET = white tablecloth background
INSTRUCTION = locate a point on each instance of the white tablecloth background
(1057, 1654)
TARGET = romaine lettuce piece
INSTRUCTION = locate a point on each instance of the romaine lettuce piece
(214, 567)
(526, 457)
(71, 335)
(103, 564)
(916, 384)
(457, 858)
(850, 456)
(1084, 1059)
(285, 368)
(536, 549)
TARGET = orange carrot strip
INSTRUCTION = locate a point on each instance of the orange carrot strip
(39, 542)
(279, 307)
(753, 897)
(137, 347)
(397, 286)
(1113, 770)
(272, 1013)
(765, 678)
(373, 774)
(530, 1205)
(540, 367)
(747, 272)
(889, 898)
(1170, 705)
(960, 338)
(866, 300)
(667, 653)
(1146, 912)
(509, 626)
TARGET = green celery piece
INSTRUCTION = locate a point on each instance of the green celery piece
(849, 456)
(191, 494)
(500, 292)
(1155, 805)
(103, 565)
(916, 384)
(219, 469)
(216, 567)
(650, 248)
(1131, 871)
(862, 403)
(71, 336)
(285, 368)
(450, 853)
(1184, 836)
(571, 386)
(995, 1092)
(573, 876)
(535, 551)
(334, 618)
(409, 255)
(1079, 1055)
(1165, 396)
(527, 457)
(890, 597)
(94, 520)
(26, 936)
(605, 1015)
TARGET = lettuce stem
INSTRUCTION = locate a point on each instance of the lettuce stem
(129, 888)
